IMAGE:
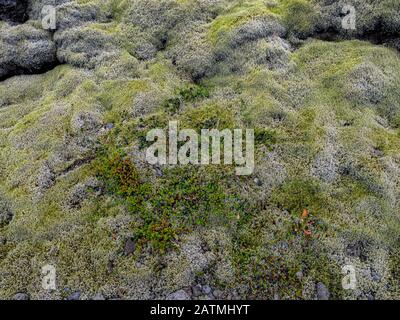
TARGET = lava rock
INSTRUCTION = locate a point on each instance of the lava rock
(74, 296)
(218, 294)
(196, 291)
(25, 50)
(14, 10)
(130, 247)
(207, 289)
(84, 48)
(375, 275)
(99, 297)
(82, 191)
(358, 249)
(46, 178)
(178, 295)
(367, 84)
(21, 296)
(6, 215)
(322, 292)
(299, 275)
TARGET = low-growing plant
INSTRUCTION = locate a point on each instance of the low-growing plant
(120, 174)
(297, 194)
(265, 137)
(190, 93)
(182, 199)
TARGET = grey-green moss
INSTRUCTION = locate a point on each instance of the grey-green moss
(326, 116)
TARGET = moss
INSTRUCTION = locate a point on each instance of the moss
(244, 234)
(300, 17)
(208, 117)
(236, 15)
(188, 94)
(299, 194)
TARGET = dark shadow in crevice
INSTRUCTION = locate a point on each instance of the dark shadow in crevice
(18, 71)
(378, 36)
(14, 11)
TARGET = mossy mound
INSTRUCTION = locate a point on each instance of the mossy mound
(77, 192)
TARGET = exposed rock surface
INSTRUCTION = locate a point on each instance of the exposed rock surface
(376, 21)
(14, 10)
(21, 296)
(322, 292)
(179, 295)
(25, 49)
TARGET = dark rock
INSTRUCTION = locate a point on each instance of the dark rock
(370, 296)
(99, 297)
(21, 296)
(375, 275)
(6, 215)
(207, 289)
(322, 292)
(110, 126)
(110, 266)
(205, 247)
(396, 43)
(196, 291)
(14, 10)
(158, 171)
(130, 247)
(217, 294)
(378, 153)
(178, 295)
(258, 182)
(74, 296)
(25, 50)
(357, 249)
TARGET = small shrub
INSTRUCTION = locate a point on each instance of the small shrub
(161, 234)
(172, 105)
(119, 173)
(190, 93)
